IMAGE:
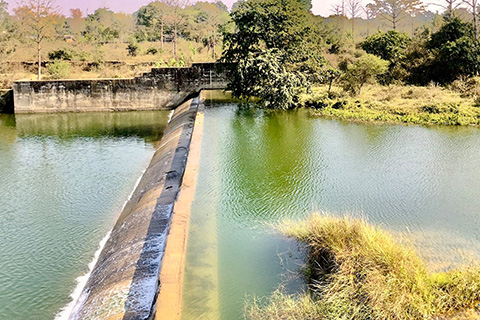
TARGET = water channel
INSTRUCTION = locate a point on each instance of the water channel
(258, 168)
(63, 181)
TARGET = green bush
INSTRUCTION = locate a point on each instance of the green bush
(133, 49)
(61, 54)
(59, 69)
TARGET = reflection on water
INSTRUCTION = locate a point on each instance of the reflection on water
(259, 168)
(63, 181)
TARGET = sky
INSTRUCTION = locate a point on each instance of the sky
(320, 7)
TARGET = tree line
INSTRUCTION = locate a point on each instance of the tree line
(34, 21)
(279, 50)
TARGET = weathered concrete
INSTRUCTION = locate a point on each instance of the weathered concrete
(6, 101)
(125, 280)
(169, 302)
(162, 88)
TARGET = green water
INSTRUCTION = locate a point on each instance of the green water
(63, 181)
(257, 169)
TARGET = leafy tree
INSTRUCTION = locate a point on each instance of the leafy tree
(456, 52)
(177, 20)
(37, 19)
(273, 41)
(265, 76)
(210, 18)
(364, 69)
(152, 17)
(388, 45)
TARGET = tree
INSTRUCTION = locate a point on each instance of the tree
(38, 19)
(76, 22)
(472, 5)
(354, 8)
(210, 18)
(176, 19)
(370, 13)
(391, 10)
(274, 43)
(456, 52)
(388, 45)
(152, 17)
(364, 69)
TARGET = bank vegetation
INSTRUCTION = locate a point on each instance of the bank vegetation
(358, 271)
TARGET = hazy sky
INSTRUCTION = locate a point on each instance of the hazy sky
(321, 7)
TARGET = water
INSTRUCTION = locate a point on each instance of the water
(257, 169)
(64, 179)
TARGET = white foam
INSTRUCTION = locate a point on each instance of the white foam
(66, 311)
(171, 115)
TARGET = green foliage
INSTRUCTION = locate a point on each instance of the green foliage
(364, 69)
(59, 69)
(61, 54)
(264, 76)
(273, 50)
(133, 49)
(388, 45)
(358, 271)
(456, 52)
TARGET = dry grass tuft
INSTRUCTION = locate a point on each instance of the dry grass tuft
(358, 271)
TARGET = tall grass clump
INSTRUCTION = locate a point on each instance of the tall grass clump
(358, 271)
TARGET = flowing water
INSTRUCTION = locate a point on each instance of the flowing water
(63, 181)
(257, 169)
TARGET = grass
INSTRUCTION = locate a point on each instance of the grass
(358, 271)
(396, 104)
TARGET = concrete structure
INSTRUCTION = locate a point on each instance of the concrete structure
(162, 88)
(125, 281)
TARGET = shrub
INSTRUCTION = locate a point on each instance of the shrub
(61, 54)
(152, 51)
(364, 69)
(59, 69)
(133, 49)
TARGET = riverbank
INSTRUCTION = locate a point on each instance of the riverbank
(357, 270)
(396, 104)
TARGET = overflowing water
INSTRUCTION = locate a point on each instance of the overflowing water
(63, 181)
(257, 169)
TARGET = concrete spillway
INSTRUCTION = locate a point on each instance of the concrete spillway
(125, 281)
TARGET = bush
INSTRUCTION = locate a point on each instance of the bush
(59, 69)
(133, 49)
(364, 69)
(153, 51)
(61, 54)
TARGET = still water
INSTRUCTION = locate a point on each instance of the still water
(257, 169)
(63, 181)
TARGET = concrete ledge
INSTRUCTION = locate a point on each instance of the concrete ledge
(125, 281)
(160, 89)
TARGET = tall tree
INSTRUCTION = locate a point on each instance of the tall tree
(38, 19)
(391, 10)
(210, 18)
(152, 17)
(472, 5)
(354, 8)
(274, 48)
(370, 13)
(176, 19)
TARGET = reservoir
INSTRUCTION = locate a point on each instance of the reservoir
(258, 168)
(63, 181)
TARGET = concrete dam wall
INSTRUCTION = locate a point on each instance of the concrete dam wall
(161, 88)
(125, 281)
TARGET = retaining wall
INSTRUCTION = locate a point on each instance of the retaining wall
(124, 283)
(162, 88)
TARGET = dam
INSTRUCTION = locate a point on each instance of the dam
(255, 169)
